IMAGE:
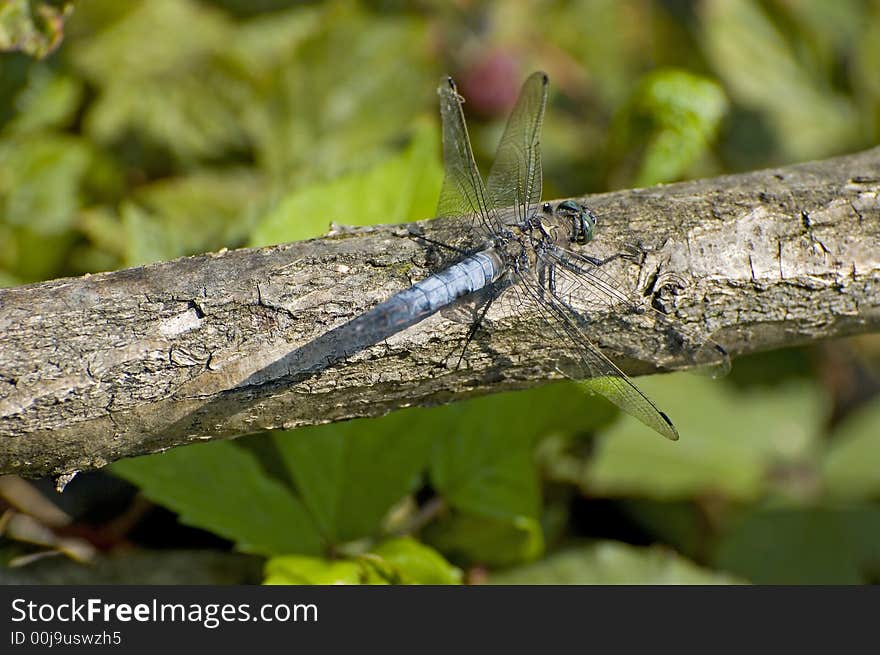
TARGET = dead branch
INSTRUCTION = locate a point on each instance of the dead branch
(117, 364)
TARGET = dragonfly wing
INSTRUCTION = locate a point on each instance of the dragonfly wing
(566, 326)
(578, 277)
(463, 193)
(516, 178)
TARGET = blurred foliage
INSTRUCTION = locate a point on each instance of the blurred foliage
(395, 561)
(35, 28)
(403, 187)
(142, 131)
(612, 562)
(670, 120)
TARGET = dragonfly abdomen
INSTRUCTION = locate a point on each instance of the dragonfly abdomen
(435, 292)
(461, 279)
(399, 312)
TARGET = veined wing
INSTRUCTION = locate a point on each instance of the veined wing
(463, 192)
(516, 177)
(577, 276)
(565, 325)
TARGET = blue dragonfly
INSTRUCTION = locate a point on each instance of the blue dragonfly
(511, 249)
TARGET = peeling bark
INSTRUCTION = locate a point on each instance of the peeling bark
(106, 366)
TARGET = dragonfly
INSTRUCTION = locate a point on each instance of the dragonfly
(513, 249)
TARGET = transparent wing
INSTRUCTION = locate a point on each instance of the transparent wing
(515, 178)
(578, 277)
(565, 325)
(463, 193)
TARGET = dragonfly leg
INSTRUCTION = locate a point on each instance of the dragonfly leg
(542, 280)
(631, 253)
(479, 315)
(546, 278)
(484, 300)
(439, 244)
(472, 330)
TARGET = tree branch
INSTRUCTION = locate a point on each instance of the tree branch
(117, 364)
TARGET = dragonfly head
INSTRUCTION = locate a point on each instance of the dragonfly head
(581, 219)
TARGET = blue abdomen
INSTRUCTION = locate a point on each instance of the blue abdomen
(428, 296)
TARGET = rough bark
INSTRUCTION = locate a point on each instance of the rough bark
(117, 364)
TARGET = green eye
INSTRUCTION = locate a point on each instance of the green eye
(582, 221)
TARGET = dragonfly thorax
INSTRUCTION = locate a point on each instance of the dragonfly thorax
(514, 248)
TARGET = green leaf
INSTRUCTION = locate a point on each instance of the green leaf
(50, 100)
(851, 467)
(181, 216)
(611, 562)
(31, 256)
(402, 188)
(480, 460)
(221, 487)
(32, 27)
(619, 55)
(350, 474)
(317, 116)
(730, 440)
(820, 545)
(268, 41)
(867, 53)
(483, 466)
(145, 238)
(300, 569)
(678, 115)
(486, 471)
(487, 540)
(199, 212)
(104, 230)
(679, 524)
(483, 458)
(171, 89)
(40, 180)
(416, 563)
(396, 561)
(762, 71)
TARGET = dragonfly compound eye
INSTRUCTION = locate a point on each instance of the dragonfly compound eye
(580, 218)
(587, 224)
